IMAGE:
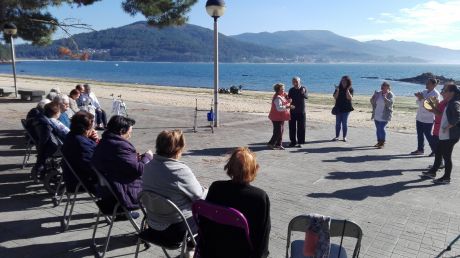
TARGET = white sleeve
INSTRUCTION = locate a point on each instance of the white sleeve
(95, 100)
(279, 105)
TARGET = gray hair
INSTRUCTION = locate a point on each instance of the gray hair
(296, 78)
(42, 103)
(61, 99)
(52, 95)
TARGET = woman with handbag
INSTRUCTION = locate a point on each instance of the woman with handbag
(382, 111)
(343, 96)
(279, 113)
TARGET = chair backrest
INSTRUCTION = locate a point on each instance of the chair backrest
(338, 228)
(28, 132)
(80, 182)
(105, 184)
(160, 206)
(221, 215)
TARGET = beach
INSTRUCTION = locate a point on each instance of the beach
(254, 102)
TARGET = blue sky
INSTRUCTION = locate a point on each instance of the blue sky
(430, 22)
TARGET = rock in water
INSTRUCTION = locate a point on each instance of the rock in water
(421, 79)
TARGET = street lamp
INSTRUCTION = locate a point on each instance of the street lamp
(215, 9)
(9, 30)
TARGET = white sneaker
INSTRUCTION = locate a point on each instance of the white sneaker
(345, 139)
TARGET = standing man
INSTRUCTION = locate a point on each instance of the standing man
(89, 96)
(298, 94)
(425, 119)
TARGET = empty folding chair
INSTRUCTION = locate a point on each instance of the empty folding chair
(153, 203)
(109, 206)
(338, 228)
(230, 219)
(31, 142)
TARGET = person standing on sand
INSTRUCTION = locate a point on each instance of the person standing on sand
(448, 135)
(279, 113)
(343, 96)
(425, 118)
(298, 94)
(382, 111)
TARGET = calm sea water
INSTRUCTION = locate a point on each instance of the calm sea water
(319, 78)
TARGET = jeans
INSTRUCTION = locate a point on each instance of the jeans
(277, 137)
(444, 151)
(381, 134)
(101, 117)
(341, 121)
(424, 129)
(297, 128)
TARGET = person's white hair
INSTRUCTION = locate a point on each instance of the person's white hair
(61, 99)
(42, 103)
(297, 78)
(51, 96)
(57, 90)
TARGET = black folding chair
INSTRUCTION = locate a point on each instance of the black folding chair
(31, 142)
(118, 210)
(80, 188)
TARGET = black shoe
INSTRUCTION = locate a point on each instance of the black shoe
(417, 152)
(298, 146)
(291, 145)
(442, 181)
(132, 214)
(431, 154)
(429, 174)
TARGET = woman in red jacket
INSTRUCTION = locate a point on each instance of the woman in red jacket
(279, 113)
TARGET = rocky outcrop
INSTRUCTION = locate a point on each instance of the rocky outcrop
(422, 78)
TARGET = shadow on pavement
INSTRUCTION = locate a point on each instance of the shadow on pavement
(367, 158)
(368, 174)
(332, 149)
(221, 151)
(363, 192)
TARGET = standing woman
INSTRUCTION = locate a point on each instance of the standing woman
(343, 96)
(382, 111)
(448, 135)
(279, 113)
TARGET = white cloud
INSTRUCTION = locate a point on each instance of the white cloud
(433, 22)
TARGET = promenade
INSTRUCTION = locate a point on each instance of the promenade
(401, 214)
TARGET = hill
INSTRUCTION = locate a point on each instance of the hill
(322, 44)
(139, 42)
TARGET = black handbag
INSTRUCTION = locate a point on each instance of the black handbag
(334, 110)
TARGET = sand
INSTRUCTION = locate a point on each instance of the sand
(258, 103)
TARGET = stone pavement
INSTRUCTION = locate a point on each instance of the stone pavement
(401, 214)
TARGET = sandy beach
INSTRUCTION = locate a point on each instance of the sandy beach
(257, 103)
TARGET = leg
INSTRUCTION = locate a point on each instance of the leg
(438, 156)
(98, 117)
(345, 123)
(447, 155)
(281, 131)
(104, 118)
(272, 140)
(338, 124)
(377, 129)
(301, 128)
(383, 134)
(420, 139)
(292, 128)
(427, 131)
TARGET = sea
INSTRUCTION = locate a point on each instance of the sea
(319, 78)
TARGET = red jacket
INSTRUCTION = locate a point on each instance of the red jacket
(276, 115)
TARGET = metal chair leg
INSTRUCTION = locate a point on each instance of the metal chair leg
(63, 221)
(69, 216)
(93, 238)
(137, 247)
(27, 154)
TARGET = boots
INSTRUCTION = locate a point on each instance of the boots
(381, 145)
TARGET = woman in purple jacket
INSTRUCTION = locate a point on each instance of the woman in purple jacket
(116, 158)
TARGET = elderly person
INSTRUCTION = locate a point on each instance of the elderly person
(252, 202)
(448, 136)
(382, 111)
(279, 113)
(78, 149)
(343, 96)
(53, 93)
(168, 176)
(89, 98)
(66, 112)
(53, 113)
(73, 97)
(116, 158)
(298, 94)
(424, 118)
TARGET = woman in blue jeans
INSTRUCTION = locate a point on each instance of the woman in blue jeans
(343, 96)
(382, 110)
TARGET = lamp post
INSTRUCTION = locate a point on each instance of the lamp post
(215, 9)
(9, 29)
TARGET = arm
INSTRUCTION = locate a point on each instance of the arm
(279, 105)
(305, 93)
(336, 94)
(189, 185)
(389, 99)
(454, 114)
(349, 94)
(95, 101)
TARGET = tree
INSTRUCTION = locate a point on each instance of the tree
(37, 25)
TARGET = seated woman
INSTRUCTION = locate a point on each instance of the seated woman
(78, 150)
(116, 158)
(53, 112)
(251, 201)
(171, 178)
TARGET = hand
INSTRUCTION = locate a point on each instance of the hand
(93, 135)
(149, 152)
(291, 106)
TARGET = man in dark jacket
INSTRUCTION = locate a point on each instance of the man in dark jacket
(298, 94)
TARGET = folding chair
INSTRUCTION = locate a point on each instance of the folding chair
(338, 228)
(150, 202)
(65, 222)
(31, 142)
(111, 213)
(219, 215)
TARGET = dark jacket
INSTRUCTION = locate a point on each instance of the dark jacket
(343, 104)
(254, 204)
(47, 142)
(78, 150)
(117, 159)
(298, 99)
(453, 116)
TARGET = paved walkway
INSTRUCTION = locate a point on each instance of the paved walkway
(401, 215)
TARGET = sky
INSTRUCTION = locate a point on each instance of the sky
(430, 22)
